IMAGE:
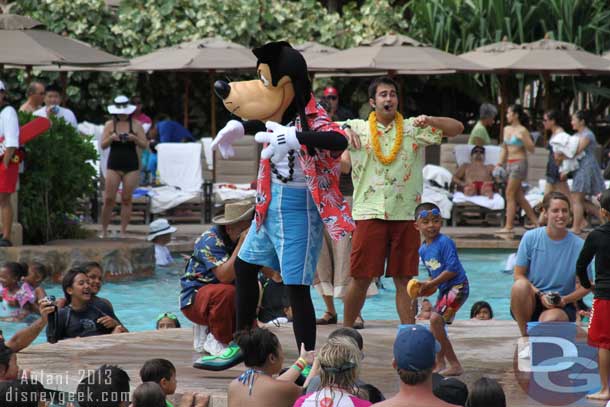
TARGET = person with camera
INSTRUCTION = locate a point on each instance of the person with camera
(545, 284)
(52, 106)
(125, 137)
(24, 337)
(82, 316)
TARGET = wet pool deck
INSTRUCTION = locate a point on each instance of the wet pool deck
(484, 348)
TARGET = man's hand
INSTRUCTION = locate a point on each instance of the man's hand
(548, 305)
(421, 121)
(281, 140)
(46, 308)
(233, 131)
(353, 138)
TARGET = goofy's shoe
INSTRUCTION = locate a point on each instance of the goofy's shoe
(230, 357)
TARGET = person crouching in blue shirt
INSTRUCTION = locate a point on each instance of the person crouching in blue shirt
(439, 256)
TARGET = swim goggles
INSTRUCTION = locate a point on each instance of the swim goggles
(166, 315)
(424, 213)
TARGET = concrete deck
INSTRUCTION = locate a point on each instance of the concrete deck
(471, 237)
(484, 348)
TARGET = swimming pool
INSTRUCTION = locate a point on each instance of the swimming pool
(137, 303)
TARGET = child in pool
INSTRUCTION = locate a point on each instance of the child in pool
(425, 311)
(37, 273)
(167, 320)
(481, 310)
(15, 299)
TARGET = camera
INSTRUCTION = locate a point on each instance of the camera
(52, 329)
(123, 137)
(553, 298)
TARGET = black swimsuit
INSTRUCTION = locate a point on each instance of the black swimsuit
(123, 156)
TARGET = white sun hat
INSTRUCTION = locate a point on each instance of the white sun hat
(121, 106)
(159, 227)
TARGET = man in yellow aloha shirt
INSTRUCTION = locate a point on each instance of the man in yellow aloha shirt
(387, 156)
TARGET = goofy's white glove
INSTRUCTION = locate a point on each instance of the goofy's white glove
(233, 131)
(281, 140)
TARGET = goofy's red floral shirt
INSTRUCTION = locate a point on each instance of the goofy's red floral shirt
(321, 173)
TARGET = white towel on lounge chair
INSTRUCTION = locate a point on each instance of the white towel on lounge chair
(439, 175)
(180, 165)
(440, 197)
(224, 192)
(496, 203)
(168, 197)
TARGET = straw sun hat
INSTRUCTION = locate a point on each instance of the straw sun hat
(235, 212)
(121, 106)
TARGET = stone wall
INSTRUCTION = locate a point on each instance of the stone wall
(121, 259)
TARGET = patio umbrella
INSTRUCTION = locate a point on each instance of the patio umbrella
(312, 50)
(208, 54)
(545, 57)
(24, 42)
(486, 56)
(395, 54)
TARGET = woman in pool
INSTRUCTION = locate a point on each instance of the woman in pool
(481, 310)
(16, 299)
(339, 362)
(167, 320)
(81, 316)
(517, 143)
(263, 357)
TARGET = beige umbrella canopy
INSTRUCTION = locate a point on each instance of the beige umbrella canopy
(544, 56)
(208, 54)
(394, 53)
(24, 43)
(312, 50)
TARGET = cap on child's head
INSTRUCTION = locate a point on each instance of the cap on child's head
(425, 208)
(449, 389)
(159, 227)
(604, 200)
(415, 348)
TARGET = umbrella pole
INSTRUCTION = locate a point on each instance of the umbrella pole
(28, 74)
(503, 105)
(187, 85)
(212, 105)
(547, 90)
(63, 79)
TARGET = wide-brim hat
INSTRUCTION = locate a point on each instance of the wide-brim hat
(121, 106)
(159, 227)
(235, 212)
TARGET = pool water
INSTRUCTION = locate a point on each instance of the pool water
(137, 303)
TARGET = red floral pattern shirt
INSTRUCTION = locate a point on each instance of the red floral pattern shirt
(322, 175)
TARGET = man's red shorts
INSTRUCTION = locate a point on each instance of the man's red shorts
(214, 307)
(376, 240)
(599, 327)
(9, 177)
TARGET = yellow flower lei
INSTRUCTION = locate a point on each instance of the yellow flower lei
(375, 139)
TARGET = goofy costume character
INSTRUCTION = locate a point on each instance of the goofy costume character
(297, 189)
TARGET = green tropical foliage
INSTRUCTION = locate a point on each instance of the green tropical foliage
(57, 178)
